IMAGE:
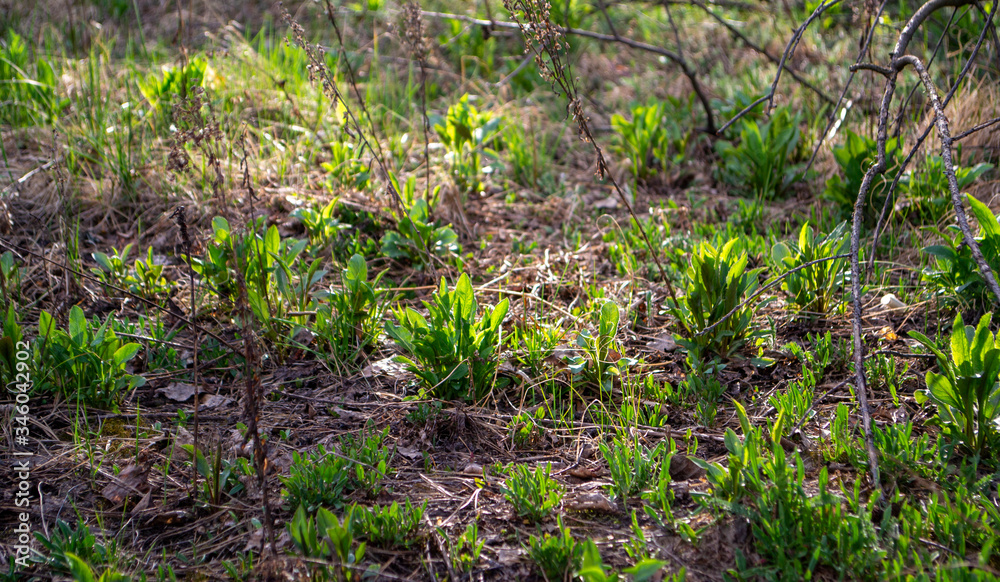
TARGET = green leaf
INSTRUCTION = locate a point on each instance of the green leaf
(126, 353)
(465, 298)
(942, 391)
(80, 569)
(645, 569)
(220, 226)
(103, 260)
(959, 342)
(357, 269)
(77, 324)
(779, 252)
(986, 220)
(609, 320)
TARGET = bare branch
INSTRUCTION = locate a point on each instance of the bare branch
(941, 122)
(977, 128)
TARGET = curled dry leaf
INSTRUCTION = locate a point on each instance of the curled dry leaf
(131, 481)
(177, 391)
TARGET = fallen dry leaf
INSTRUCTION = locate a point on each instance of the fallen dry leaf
(683, 469)
(593, 501)
(177, 391)
(131, 481)
(215, 401)
(663, 344)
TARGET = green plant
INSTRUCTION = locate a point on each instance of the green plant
(592, 567)
(966, 392)
(628, 251)
(957, 276)
(601, 361)
(841, 442)
(534, 343)
(10, 340)
(466, 550)
(854, 157)
(558, 556)
(456, 354)
(277, 280)
(221, 475)
(465, 132)
(161, 355)
(321, 224)
(82, 572)
(10, 279)
(524, 431)
(321, 479)
(658, 500)
(371, 458)
(742, 477)
(796, 534)
(816, 288)
(145, 279)
(795, 402)
(529, 154)
(241, 568)
(84, 364)
(148, 280)
(758, 166)
(113, 270)
(533, 495)
(65, 540)
(632, 465)
(327, 538)
(903, 456)
(416, 233)
(350, 321)
(27, 90)
(345, 169)
(717, 282)
(176, 82)
(389, 526)
(471, 52)
(655, 139)
(884, 374)
(928, 195)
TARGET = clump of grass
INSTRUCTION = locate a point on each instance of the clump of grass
(533, 494)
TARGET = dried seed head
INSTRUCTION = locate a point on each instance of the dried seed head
(412, 25)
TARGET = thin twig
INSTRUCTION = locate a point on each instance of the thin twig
(890, 195)
(977, 128)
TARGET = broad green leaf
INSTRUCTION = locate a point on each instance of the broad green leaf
(103, 260)
(779, 252)
(357, 269)
(77, 324)
(80, 569)
(609, 320)
(942, 391)
(985, 217)
(465, 298)
(220, 226)
(126, 353)
(959, 342)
